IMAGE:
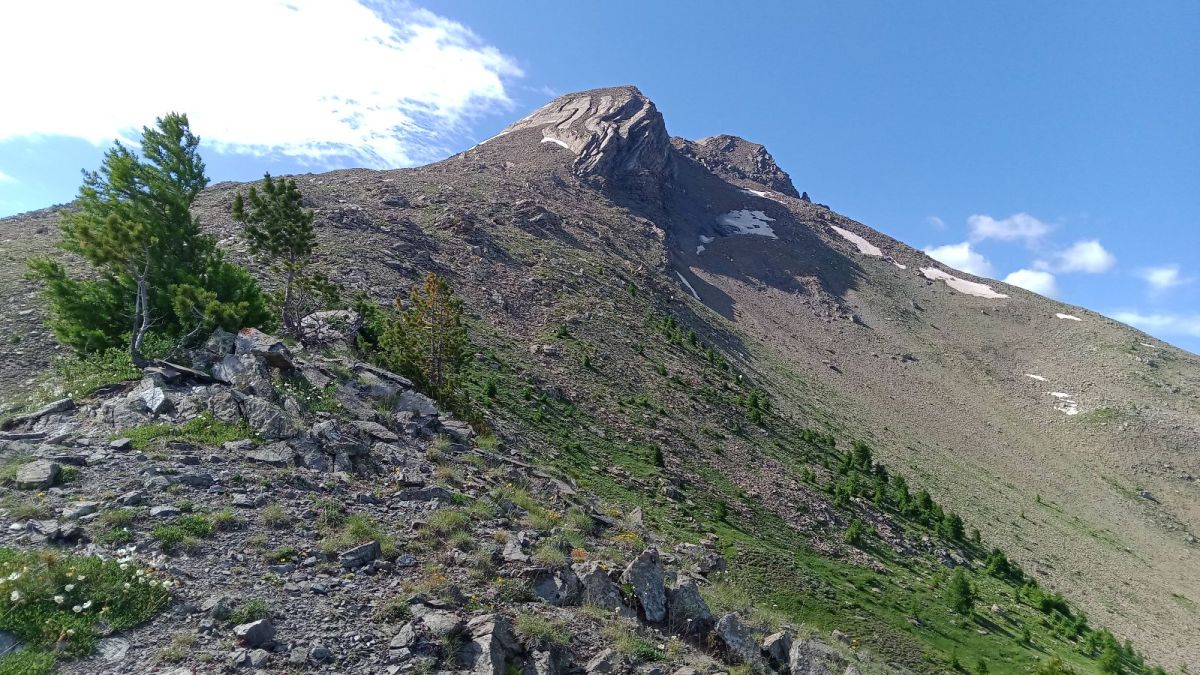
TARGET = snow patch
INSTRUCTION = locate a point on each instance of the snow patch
(1068, 316)
(705, 240)
(689, 286)
(746, 221)
(961, 285)
(765, 195)
(1065, 404)
(1145, 344)
(1039, 378)
(699, 249)
(864, 247)
(556, 141)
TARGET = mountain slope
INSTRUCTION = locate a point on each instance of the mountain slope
(587, 216)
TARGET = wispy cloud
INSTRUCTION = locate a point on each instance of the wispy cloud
(1083, 256)
(5, 178)
(1017, 227)
(382, 84)
(936, 223)
(962, 257)
(1038, 281)
(1162, 324)
(1163, 277)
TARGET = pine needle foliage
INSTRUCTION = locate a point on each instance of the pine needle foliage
(153, 267)
(428, 341)
(280, 233)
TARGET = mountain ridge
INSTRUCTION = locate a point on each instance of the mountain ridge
(840, 325)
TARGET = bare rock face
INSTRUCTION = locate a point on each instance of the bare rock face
(616, 134)
(645, 574)
(736, 158)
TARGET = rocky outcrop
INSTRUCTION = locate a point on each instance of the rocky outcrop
(734, 158)
(381, 436)
(615, 134)
(645, 574)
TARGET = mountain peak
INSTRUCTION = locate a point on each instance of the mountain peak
(616, 133)
(732, 157)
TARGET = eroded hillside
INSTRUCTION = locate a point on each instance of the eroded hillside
(669, 325)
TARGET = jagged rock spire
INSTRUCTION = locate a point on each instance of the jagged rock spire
(736, 158)
(616, 134)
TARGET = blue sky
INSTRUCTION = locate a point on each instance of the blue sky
(1058, 143)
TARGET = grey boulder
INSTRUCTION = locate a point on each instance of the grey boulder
(255, 633)
(278, 454)
(360, 555)
(267, 419)
(688, 612)
(38, 474)
(645, 574)
(259, 344)
(733, 635)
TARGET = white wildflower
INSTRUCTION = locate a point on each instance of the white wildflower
(58, 599)
(69, 587)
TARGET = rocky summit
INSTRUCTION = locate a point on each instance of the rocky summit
(706, 424)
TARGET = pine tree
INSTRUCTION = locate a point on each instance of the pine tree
(1110, 660)
(155, 269)
(959, 594)
(854, 533)
(952, 527)
(862, 455)
(429, 342)
(280, 232)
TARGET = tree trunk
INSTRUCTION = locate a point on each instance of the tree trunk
(141, 319)
(291, 323)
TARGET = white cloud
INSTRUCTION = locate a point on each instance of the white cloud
(1163, 324)
(1019, 226)
(1083, 256)
(936, 223)
(385, 85)
(5, 178)
(961, 257)
(1034, 280)
(1163, 277)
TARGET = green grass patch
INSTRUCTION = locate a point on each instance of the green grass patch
(201, 430)
(11, 464)
(184, 531)
(356, 530)
(311, 399)
(632, 640)
(27, 662)
(252, 609)
(542, 632)
(49, 599)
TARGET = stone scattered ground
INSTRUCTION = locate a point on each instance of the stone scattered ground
(352, 527)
